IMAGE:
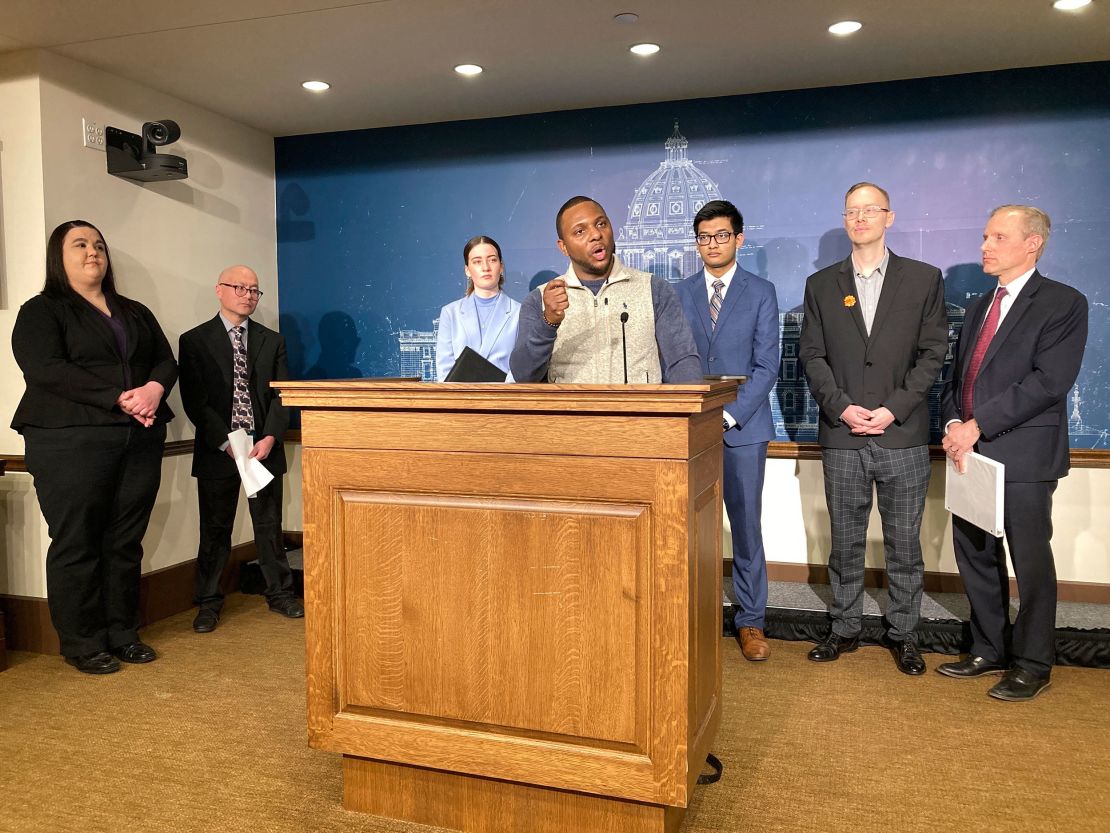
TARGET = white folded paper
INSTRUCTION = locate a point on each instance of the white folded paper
(977, 495)
(254, 475)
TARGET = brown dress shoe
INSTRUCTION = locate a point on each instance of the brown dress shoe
(753, 644)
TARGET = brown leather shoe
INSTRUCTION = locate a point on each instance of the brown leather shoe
(753, 644)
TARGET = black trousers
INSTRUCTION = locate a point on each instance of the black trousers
(96, 487)
(219, 498)
(981, 557)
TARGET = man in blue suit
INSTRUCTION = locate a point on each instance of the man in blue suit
(735, 318)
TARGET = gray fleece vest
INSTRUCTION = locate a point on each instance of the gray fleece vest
(588, 344)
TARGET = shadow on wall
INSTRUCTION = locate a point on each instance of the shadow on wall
(833, 247)
(965, 282)
(295, 348)
(785, 262)
(339, 340)
(542, 277)
(294, 202)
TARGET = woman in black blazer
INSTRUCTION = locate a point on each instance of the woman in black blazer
(93, 419)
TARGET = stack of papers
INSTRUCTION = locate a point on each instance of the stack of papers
(254, 475)
(977, 495)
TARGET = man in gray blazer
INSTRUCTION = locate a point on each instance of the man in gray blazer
(873, 340)
(227, 364)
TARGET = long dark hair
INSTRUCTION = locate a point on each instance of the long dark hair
(57, 283)
(478, 241)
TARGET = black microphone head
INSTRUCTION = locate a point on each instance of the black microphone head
(624, 317)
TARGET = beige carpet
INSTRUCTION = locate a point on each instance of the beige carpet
(211, 737)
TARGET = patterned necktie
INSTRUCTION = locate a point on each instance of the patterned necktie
(716, 301)
(242, 415)
(990, 327)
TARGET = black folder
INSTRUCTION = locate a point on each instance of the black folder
(472, 366)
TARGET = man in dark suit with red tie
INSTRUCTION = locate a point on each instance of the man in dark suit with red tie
(227, 365)
(1018, 356)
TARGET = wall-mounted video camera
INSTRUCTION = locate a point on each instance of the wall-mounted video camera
(132, 156)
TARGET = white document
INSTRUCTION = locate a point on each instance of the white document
(977, 495)
(254, 475)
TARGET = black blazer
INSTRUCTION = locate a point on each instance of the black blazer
(895, 366)
(1022, 387)
(72, 366)
(206, 375)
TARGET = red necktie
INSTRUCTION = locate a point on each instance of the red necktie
(990, 327)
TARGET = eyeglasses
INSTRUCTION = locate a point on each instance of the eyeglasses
(870, 212)
(721, 237)
(241, 290)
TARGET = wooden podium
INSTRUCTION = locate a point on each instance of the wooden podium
(513, 598)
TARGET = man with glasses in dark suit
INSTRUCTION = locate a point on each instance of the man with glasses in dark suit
(873, 340)
(227, 365)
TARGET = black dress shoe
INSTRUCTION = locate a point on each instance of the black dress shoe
(99, 663)
(135, 653)
(970, 667)
(908, 658)
(832, 646)
(206, 621)
(287, 606)
(1019, 684)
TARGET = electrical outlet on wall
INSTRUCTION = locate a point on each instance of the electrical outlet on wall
(92, 133)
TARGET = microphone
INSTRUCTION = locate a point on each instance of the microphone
(624, 345)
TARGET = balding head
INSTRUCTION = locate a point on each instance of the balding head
(234, 280)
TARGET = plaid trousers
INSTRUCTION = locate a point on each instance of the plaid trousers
(900, 476)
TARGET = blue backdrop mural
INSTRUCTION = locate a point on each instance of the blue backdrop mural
(371, 223)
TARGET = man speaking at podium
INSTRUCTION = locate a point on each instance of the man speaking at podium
(601, 322)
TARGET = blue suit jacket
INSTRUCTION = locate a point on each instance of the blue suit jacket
(744, 343)
(458, 328)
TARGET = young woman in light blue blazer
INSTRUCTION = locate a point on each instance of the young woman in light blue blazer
(485, 319)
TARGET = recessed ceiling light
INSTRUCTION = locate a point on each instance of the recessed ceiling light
(1070, 5)
(468, 69)
(316, 86)
(626, 17)
(845, 27)
(644, 48)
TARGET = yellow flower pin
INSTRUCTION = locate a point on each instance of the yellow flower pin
(849, 301)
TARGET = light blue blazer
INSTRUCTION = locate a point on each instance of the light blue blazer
(458, 328)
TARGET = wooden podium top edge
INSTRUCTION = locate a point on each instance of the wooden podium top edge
(412, 394)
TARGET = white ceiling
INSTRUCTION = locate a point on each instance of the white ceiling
(390, 61)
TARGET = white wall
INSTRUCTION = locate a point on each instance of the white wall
(796, 522)
(168, 242)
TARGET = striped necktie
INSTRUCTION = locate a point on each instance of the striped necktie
(716, 301)
(242, 415)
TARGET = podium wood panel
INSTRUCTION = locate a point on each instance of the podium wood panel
(513, 605)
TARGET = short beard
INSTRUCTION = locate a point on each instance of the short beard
(590, 268)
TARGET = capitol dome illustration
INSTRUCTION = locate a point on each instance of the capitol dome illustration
(658, 236)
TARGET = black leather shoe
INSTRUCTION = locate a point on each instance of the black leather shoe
(832, 646)
(99, 663)
(1019, 684)
(135, 652)
(288, 606)
(206, 621)
(970, 667)
(908, 658)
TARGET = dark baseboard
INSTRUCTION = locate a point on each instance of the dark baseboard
(1067, 591)
(25, 621)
